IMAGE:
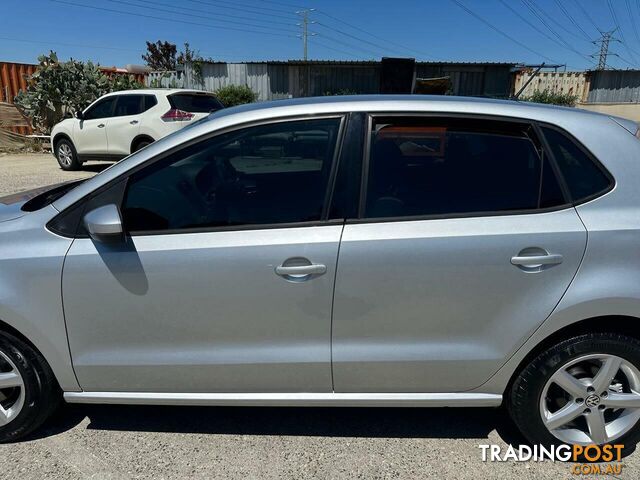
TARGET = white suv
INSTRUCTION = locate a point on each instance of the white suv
(121, 123)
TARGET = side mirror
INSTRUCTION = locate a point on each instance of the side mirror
(80, 115)
(104, 224)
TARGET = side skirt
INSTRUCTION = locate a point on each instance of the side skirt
(291, 399)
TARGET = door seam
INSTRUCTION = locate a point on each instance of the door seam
(333, 299)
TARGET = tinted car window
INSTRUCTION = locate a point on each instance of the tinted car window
(421, 166)
(128, 105)
(150, 101)
(102, 109)
(195, 103)
(267, 174)
(583, 176)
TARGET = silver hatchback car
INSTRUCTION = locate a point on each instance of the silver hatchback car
(373, 251)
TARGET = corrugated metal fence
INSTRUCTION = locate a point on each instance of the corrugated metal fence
(278, 80)
(614, 86)
(13, 78)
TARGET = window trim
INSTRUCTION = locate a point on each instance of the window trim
(342, 116)
(568, 202)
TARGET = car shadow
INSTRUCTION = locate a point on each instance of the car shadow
(461, 423)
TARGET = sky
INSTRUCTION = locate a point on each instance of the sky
(113, 32)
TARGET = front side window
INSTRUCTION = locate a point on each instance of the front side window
(435, 166)
(268, 174)
(129, 105)
(102, 109)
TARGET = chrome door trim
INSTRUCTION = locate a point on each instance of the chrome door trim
(290, 399)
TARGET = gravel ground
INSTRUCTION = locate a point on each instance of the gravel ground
(119, 442)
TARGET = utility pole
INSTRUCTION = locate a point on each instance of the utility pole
(604, 40)
(305, 28)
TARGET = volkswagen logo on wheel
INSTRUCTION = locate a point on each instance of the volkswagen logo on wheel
(592, 401)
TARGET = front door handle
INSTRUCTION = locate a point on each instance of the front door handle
(300, 270)
(536, 260)
(101, 125)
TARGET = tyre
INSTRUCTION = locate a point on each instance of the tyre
(581, 391)
(140, 145)
(29, 392)
(67, 156)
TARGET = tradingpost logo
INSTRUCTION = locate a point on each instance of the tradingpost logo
(588, 459)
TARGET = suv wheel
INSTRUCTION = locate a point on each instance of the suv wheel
(67, 156)
(28, 390)
(584, 390)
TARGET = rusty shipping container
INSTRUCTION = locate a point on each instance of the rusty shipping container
(13, 78)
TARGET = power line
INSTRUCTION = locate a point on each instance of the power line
(633, 21)
(211, 15)
(572, 20)
(9, 39)
(215, 3)
(172, 20)
(496, 29)
(355, 47)
(537, 7)
(529, 5)
(532, 25)
(324, 45)
(586, 14)
(617, 25)
(290, 17)
(200, 15)
(336, 19)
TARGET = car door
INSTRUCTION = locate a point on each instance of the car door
(464, 245)
(90, 134)
(225, 280)
(125, 124)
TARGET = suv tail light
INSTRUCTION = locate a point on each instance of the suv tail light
(175, 115)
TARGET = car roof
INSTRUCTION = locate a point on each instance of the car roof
(406, 103)
(157, 91)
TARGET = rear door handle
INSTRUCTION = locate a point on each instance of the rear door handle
(133, 122)
(536, 260)
(313, 269)
(101, 125)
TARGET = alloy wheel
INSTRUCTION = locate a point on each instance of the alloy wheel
(594, 399)
(11, 390)
(65, 155)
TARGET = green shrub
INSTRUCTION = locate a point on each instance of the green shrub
(553, 98)
(232, 95)
(58, 89)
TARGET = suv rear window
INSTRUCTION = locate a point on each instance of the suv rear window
(584, 177)
(195, 102)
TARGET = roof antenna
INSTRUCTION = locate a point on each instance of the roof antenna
(517, 95)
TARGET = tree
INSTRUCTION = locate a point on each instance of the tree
(232, 95)
(58, 89)
(161, 55)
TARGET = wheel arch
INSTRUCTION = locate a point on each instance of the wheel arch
(140, 138)
(60, 136)
(622, 324)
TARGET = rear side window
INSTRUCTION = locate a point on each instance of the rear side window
(431, 166)
(150, 101)
(195, 103)
(267, 174)
(583, 176)
(129, 105)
